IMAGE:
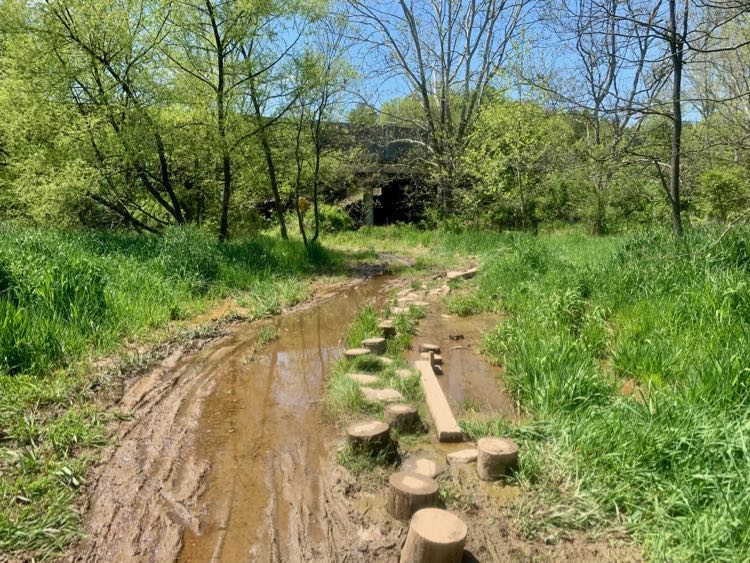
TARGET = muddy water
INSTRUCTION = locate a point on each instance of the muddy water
(468, 380)
(267, 495)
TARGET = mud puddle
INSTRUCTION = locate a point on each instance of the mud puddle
(268, 495)
(469, 380)
(221, 450)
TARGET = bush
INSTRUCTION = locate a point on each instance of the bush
(333, 219)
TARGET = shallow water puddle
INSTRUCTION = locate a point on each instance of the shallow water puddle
(469, 379)
(263, 435)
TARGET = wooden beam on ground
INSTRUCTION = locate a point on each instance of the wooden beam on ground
(440, 411)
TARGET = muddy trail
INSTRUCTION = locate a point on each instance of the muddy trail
(226, 454)
(225, 457)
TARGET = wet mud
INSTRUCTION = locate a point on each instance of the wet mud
(269, 495)
(227, 455)
(224, 456)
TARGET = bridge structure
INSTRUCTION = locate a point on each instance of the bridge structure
(389, 173)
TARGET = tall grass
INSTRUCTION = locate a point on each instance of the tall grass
(64, 295)
(671, 461)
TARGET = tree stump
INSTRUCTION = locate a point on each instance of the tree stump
(374, 345)
(437, 360)
(409, 492)
(356, 353)
(402, 417)
(435, 536)
(371, 437)
(387, 329)
(427, 347)
(495, 456)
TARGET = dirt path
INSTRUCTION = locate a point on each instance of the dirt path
(227, 457)
(225, 449)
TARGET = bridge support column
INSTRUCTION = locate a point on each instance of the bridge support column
(368, 207)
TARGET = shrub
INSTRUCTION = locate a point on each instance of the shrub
(333, 219)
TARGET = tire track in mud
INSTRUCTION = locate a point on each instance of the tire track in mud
(226, 455)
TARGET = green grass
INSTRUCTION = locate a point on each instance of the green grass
(343, 399)
(670, 465)
(67, 296)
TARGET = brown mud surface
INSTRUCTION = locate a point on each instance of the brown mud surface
(468, 380)
(226, 447)
(228, 457)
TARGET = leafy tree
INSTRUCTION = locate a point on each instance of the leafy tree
(511, 154)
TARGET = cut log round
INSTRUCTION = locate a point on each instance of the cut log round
(437, 360)
(427, 347)
(386, 395)
(374, 345)
(370, 437)
(409, 492)
(363, 378)
(435, 536)
(427, 356)
(464, 275)
(356, 352)
(495, 456)
(402, 417)
(387, 329)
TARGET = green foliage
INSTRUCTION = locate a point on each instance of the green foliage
(724, 192)
(667, 462)
(510, 154)
(189, 254)
(333, 219)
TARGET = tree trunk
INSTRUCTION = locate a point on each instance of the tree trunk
(676, 47)
(271, 168)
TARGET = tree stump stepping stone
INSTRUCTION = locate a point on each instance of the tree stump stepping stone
(381, 395)
(429, 347)
(404, 373)
(420, 304)
(435, 536)
(466, 455)
(352, 353)
(438, 369)
(427, 356)
(363, 378)
(409, 492)
(374, 345)
(495, 457)
(437, 360)
(440, 291)
(387, 329)
(399, 310)
(402, 417)
(370, 437)
(386, 361)
(463, 274)
(423, 464)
